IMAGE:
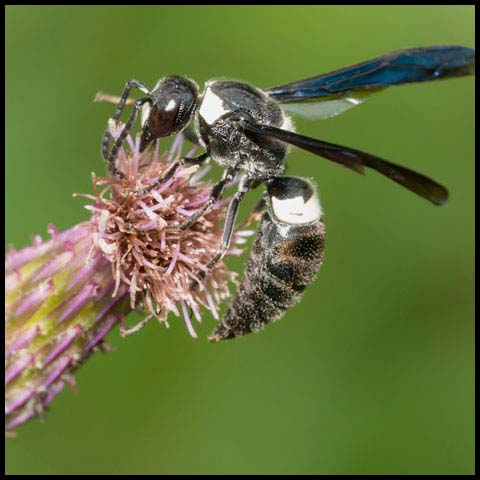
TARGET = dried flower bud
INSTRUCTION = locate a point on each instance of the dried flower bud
(65, 294)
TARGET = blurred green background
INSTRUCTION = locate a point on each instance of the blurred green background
(373, 371)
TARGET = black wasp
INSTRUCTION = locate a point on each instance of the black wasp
(247, 131)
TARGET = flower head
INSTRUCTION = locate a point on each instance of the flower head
(65, 294)
(134, 232)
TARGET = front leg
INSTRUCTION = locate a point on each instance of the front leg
(108, 156)
(118, 142)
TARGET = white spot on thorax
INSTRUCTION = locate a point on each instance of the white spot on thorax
(211, 108)
(296, 211)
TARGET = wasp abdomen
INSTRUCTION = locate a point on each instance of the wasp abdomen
(297, 259)
(284, 260)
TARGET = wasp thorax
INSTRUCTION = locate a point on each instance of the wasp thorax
(173, 102)
(293, 200)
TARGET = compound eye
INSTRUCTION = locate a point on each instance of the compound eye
(174, 100)
(166, 116)
(293, 201)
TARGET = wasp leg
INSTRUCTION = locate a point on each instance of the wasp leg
(191, 135)
(215, 195)
(118, 142)
(109, 158)
(232, 211)
(121, 104)
(180, 162)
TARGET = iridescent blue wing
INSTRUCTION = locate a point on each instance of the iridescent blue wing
(338, 91)
(356, 160)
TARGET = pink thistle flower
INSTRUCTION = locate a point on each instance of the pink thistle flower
(65, 294)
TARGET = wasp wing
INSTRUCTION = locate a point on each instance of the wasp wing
(342, 89)
(320, 110)
(356, 160)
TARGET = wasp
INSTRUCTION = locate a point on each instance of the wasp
(248, 131)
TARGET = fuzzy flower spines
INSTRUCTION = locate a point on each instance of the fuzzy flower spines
(159, 263)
